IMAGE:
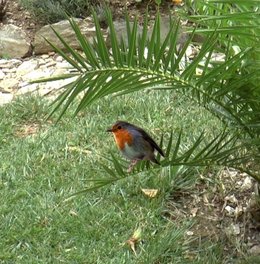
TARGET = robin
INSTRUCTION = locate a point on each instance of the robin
(134, 143)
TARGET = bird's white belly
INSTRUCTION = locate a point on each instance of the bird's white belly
(130, 152)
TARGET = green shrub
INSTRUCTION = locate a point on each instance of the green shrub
(51, 11)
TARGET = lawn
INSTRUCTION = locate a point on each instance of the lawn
(42, 163)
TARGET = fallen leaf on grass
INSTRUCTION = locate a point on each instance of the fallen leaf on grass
(150, 192)
(177, 2)
(134, 239)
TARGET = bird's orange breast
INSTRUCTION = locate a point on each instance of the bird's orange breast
(122, 137)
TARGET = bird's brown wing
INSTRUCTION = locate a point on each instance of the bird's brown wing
(150, 140)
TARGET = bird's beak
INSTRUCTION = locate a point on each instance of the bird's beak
(109, 130)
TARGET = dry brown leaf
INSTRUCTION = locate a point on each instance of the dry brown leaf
(134, 239)
(205, 198)
(151, 193)
(131, 243)
(177, 2)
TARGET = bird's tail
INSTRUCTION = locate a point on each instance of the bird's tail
(154, 160)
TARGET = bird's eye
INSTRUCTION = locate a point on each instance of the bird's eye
(119, 127)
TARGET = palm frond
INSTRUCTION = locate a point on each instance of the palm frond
(221, 150)
(139, 62)
(102, 73)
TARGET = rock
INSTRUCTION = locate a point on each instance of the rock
(64, 29)
(255, 250)
(2, 75)
(8, 84)
(41, 62)
(189, 51)
(247, 184)
(50, 64)
(56, 85)
(37, 74)
(233, 229)
(13, 43)
(217, 57)
(59, 59)
(230, 210)
(5, 98)
(27, 67)
(59, 71)
(29, 88)
(64, 65)
(45, 56)
(7, 64)
(12, 70)
(121, 31)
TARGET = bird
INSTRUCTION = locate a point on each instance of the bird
(134, 143)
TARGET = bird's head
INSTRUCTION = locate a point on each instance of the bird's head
(119, 126)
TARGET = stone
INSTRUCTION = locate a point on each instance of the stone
(8, 84)
(13, 42)
(56, 85)
(255, 250)
(27, 67)
(11, 70)
(217, 57)
(37, 74)
(47, 60)
(29, 88)
(63, 27)
(247, 184)
(59, 59)
(41, 62)
(50, 64)
(121, 31)
(45, 56)
(7, 64)
(2, 75)
(230, 210)
(233, 229)
(64, 65)
(5, 98)
(59, 71)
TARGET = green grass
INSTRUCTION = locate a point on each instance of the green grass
(39, 171)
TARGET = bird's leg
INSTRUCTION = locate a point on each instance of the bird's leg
(132, 164)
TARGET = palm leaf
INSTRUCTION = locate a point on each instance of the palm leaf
(221, 150)
(148, 73)
(127, 69)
